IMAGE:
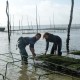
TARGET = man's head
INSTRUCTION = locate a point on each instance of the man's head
(46, 35)
(38, 36)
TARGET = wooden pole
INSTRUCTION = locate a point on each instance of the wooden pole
(53, 22)
(8, 24)
(36, 20)
(69, 26)
(32, 27)
(50, 23)
(28, 22)
(19, 24)
(22, 23)
(13, 24)
(39, 23)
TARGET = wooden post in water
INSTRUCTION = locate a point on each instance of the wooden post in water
(39, 23)
(50, 23)
(36, 19)
(22, 24)
(19, 24)
(69, 26)
(10, 26)
(32, 27)
(8, 23)
(28, 22)
(53, 22)
(13, 24)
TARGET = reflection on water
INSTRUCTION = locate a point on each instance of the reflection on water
(40, 74)
(23, 72)
(26, 73)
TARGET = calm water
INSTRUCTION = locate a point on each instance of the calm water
(28, 72)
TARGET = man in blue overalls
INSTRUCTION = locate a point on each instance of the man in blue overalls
(23, 42)
(56, 40)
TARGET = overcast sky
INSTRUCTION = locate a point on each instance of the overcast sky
(25, 10)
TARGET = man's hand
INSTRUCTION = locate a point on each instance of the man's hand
(33, 52)
(45, 52)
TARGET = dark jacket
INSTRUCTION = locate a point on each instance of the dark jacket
(54, 39)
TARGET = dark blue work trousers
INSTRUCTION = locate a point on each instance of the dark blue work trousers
(22, 50)
(55, 46)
